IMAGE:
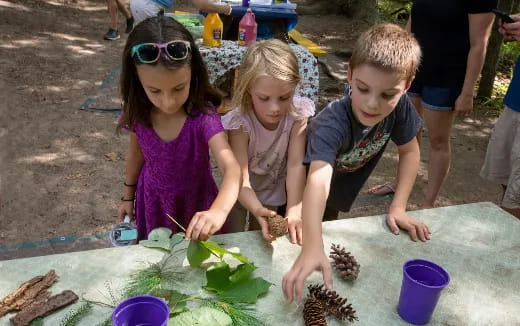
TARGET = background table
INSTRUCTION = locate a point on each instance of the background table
(477, 243)
(220, 60)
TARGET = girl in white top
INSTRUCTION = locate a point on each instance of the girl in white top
(267, 130)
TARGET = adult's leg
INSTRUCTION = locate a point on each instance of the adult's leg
(123, 9)
(416, 101)
(438, 124)
(112, 12)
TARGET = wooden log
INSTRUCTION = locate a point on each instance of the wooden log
(43, 306)
(27, 292)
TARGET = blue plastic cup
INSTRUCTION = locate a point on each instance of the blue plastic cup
(141, 310)
(423, 282)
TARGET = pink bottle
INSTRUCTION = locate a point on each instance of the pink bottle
(247, 29)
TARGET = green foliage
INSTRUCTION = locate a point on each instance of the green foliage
(197, 253)
(240, 313)
(202, 316)
(160, 238)
(72, 317)
(37, 322)
(510, 50)
(394, 11)
(220, 252)
(247, 291)
(150, 279)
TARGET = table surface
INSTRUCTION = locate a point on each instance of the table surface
(478, 244)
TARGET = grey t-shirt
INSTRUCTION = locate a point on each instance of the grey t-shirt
(352, 149)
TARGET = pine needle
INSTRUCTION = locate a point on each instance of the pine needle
(72, 317)
(147, 280)
(240, 313)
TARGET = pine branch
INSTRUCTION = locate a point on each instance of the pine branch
(74, 316)
(240, 314)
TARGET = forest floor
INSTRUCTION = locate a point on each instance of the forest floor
(62, 168)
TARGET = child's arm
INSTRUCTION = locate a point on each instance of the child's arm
(409, 158)
(134, 163)
(312, 256)
(239, 141)
(295, 182)
(205, 224)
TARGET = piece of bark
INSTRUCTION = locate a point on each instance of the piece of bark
(43, 307)
(27, 292)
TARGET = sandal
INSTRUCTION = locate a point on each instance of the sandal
(382, 190)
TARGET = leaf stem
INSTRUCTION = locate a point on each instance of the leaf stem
(174, 221)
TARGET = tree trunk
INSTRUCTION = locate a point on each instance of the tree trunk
(489, 70)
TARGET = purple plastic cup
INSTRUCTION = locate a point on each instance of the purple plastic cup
(142, 310)
(423, 282)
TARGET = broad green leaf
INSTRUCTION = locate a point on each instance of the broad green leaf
(221, 251)
(176, 239)
(197, 253)
(242, 272)
(203, 316)
(158, 238)
(218, 277)
(247, 291)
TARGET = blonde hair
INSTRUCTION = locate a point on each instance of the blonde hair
(390, 48)
(271, 58)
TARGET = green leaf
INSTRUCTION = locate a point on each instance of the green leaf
(37, 322)
(218, 277)
(203, 316)
(176, 239)
(247, 291)
(242, 272)
(197, 253)
(158, 238)
(221, 251)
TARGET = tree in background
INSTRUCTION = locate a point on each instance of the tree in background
(359, 9)
(489, 70)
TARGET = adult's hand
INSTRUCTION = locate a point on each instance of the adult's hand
(511, 31)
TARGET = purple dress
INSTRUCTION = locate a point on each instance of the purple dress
(176, 176)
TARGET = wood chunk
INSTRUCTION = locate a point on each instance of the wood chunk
(43, 306)
(27, 292)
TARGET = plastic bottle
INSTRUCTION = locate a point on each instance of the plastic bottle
(124, 234)
(247, 29)
(213, 27)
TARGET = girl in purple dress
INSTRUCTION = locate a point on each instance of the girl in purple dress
(168, 107)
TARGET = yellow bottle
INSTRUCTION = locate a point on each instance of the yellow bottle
(213, 27)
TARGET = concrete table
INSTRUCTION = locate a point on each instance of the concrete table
(479, 245)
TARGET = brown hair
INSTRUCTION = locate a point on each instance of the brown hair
(388, 47)
(136, 105)
(272, 58)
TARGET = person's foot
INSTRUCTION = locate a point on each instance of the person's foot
(111, 35)
(129, 25)
(382, 190)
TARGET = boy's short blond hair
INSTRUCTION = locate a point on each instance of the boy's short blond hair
(390, 48)
(271, 58)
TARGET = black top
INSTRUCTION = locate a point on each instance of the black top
(442, 29)
(352, 149)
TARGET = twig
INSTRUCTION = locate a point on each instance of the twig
(174, 221)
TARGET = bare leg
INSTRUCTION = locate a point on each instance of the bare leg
(416, 101)
(438, 124)
(123, 9)
(112, 12)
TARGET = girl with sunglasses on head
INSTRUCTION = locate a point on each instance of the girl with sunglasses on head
(267, 134)
(169, 110)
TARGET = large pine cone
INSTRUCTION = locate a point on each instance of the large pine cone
(313, 312)
(333, 303)
(344, 262)
(277, 225)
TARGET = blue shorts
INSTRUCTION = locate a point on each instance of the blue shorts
(435, 98)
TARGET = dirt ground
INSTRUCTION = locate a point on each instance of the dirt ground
(61, 169)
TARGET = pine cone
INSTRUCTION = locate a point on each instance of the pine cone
(277, 225)
(333, 303)
(344, 262)
(313, 312)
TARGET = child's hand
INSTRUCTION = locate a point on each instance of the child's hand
(204, 224)
(262, 214)
(294, 224)
(397, 218)
(126, 208)
(307, 262)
